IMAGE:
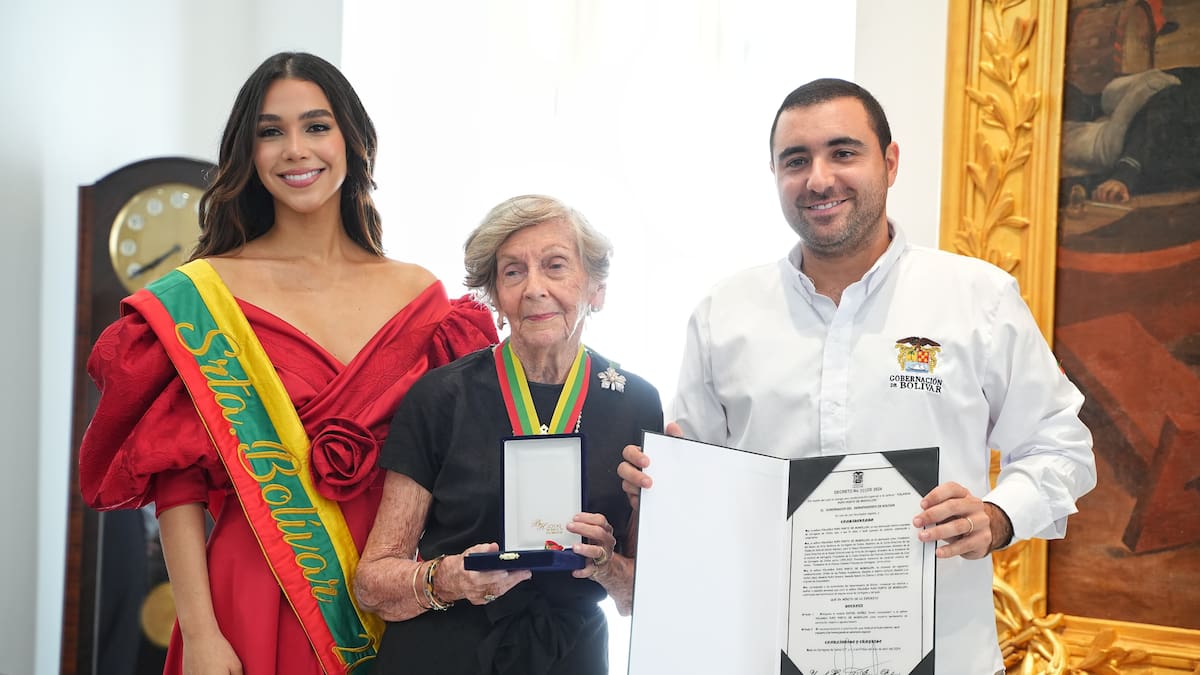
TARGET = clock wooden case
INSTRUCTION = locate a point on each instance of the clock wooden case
(135, 224)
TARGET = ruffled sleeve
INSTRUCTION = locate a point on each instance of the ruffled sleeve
(145, 442)
(468, 327)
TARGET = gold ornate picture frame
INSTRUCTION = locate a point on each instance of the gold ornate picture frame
(1003, 126)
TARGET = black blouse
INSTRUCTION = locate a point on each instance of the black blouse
(446, 437)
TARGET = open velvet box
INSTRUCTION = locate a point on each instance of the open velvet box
(543, 490)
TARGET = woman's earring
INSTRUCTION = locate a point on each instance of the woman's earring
(499, 322)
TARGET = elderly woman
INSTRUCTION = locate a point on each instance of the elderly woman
(543, 268)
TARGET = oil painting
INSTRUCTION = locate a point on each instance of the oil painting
(1070, 160)
(1127, 314)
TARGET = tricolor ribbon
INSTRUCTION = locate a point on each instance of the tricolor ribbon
(519, 402)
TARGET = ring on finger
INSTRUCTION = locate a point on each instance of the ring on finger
(604, 558)
(489, 597)
(970, 524)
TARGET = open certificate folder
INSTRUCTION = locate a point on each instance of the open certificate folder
(753, 564)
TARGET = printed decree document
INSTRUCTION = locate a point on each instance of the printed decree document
(862, 585)
(783, 566)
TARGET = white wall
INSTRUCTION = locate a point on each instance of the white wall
(900, 57)
(651, 118)
(90, 87)
(20, 251)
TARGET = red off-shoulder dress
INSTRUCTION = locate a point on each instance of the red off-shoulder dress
(146, 444)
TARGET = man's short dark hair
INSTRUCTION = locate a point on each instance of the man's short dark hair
(828, 89)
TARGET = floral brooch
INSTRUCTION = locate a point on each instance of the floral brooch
(611, 379)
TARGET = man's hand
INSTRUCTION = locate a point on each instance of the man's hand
(970, 526)
(634, 479)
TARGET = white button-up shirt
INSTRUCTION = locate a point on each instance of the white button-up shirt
(927, 349)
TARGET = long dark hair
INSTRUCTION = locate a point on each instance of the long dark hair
(236, 208)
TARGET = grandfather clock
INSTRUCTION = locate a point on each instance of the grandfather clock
(135, 224)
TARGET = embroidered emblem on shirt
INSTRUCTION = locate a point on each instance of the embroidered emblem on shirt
(611, 379)
(918, 358)
(918, 354)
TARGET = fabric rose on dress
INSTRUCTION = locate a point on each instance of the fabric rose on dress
(344, 456)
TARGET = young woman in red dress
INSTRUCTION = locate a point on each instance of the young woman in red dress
(290, 230)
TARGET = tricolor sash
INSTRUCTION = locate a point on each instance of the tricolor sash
(263, 445)
(519, 401)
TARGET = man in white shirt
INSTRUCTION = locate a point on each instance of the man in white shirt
(859, 341)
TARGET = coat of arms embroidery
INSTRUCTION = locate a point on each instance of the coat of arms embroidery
(918, 354)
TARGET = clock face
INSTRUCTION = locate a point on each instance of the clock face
(154, 232)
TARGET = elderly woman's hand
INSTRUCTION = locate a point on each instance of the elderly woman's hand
(611, 570)
(479, 588)
(598, 533)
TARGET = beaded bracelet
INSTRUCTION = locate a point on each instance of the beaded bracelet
(435, 603)
(416, 595)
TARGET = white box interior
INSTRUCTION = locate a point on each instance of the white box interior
(543, 490)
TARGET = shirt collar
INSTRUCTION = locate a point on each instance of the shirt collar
(874, 276)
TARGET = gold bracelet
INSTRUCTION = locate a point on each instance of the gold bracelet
(417, 596)
(435, 603)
